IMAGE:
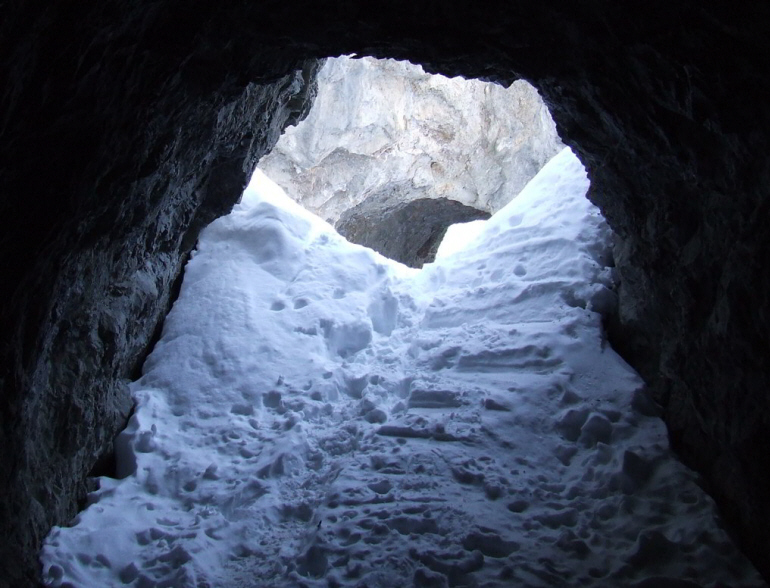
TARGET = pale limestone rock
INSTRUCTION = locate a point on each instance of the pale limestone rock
(377, 124)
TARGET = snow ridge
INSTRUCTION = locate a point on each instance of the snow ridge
(317, 415)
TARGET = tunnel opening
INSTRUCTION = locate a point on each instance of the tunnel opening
(312, 408)
(664, 106)
(391, 155)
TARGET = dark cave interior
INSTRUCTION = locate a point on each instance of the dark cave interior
(129, 126)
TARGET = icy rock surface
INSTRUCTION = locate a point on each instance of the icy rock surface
(380, 126)
(317, 415)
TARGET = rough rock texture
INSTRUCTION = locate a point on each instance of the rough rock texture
(113, 158)
(126, 125)
(408, 231)
(380, 125)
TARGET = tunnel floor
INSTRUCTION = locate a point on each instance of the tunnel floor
(318, 415)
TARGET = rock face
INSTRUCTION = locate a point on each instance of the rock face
(112, 162)
(126, 126)
(379, 126)
(408, 231)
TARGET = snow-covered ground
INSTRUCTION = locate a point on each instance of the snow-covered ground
(317, 415)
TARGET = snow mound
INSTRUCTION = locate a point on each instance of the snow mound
(317, 415)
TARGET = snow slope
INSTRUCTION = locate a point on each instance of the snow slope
(317, 415)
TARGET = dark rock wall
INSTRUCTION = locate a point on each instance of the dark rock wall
(119, 142)
(127, 125)
(409, 231)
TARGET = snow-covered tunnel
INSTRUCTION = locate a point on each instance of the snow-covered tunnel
(127, 127)
(316, 414)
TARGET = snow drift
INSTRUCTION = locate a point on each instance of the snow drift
(317, 415)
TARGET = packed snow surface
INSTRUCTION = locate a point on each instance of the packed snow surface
(317, 415)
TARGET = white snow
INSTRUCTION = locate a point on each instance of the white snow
(317, 415)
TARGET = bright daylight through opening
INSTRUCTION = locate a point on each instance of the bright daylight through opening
(316, 414)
